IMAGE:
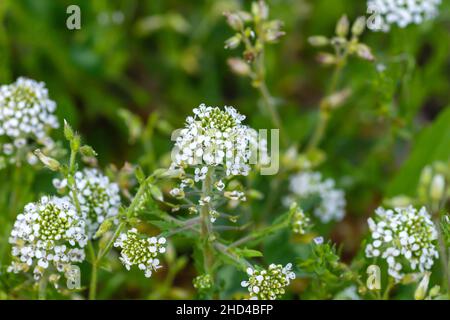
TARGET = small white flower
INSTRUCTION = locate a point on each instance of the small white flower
(310, 184)
(386, 13)
(268, 284)
(98, 197)
(405, 239)
(140, 251)
(47, 233)
(26, 117)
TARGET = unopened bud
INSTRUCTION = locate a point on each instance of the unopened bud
(260, 10)
(233, 42)
(337, 99)
(422, 288)
(318, 41)
(234, 21)
(437, 187)
(358, 26)
(273, 35)
(326, 58)
(104, 227)
(88, 151)
(50, 163)
(363, 51)
(342, 26)
(75, 143)
(239, 66)
(68, 132)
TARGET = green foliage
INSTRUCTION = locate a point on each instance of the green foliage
(367, 109)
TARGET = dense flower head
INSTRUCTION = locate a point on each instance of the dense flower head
(405, 238)
(300, 222)
(48, 233)
(26, 116)
(99, 198)
(215, 137)
(309, 184)
(400, 12)
(140, 251)
(268, 284)
(202, 282)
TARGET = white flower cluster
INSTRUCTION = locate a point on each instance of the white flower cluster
(98, 197)
(215, 137)
(140, 251)
(48, 233)
(405, 238)
(268, 284)
(309, 184)
(26, 116)
(400, 12)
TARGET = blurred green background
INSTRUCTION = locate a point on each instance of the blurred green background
(158, 59)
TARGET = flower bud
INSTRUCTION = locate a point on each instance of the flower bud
(75, 143)
(326, 58)
(239, 66)
(318, 41)
(88, 151)
(156, 193)
(68, 132)
(233, 42)
(50, 163)
(273, 35)
(437, 187)
(140, 176)
(260, 10)
(358, 26)
(234, 21)
(363, 51)
(422, 288)
(337, 99)
(342, 26)
(104, 227)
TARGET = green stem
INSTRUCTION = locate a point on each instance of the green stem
(241, 262)
(130, 210)
(206, 228)
(93, 283)
(389, 287)
(324, 113)
(42, 288)
(443, 256)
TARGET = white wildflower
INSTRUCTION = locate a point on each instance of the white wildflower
(310, 184)
(386, 13)
(47, 234)
(268, 284)
(26, 117)
(405, 238)
(99, 198)
(142, 252)
(214, 137)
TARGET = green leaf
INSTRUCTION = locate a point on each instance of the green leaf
(432, 144)
(247, 253)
